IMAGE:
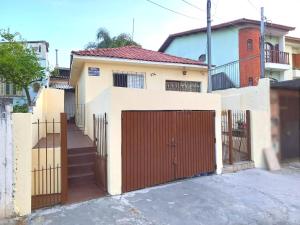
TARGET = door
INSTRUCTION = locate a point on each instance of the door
(161, 146)
(289, 126)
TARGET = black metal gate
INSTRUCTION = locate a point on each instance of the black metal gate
(49, 163)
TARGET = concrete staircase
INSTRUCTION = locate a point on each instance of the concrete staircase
(81, 165)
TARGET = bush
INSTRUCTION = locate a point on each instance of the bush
(20, 108)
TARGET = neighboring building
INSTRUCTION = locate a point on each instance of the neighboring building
(236, 43)
(61, 81)
(153, 102)
(9, 92)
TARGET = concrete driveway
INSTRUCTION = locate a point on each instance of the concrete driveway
(247, 197)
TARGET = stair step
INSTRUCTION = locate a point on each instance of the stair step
(72, 151)
(81, 175)
(81, 168)
(82, 154)
(81, 179)
(80, 164)
(238, 167)
(80, 158)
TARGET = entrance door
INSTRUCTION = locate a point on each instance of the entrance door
(161, 146)
(289, 126)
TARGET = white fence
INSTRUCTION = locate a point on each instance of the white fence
(6, 164)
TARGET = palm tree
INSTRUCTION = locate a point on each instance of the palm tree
(104, 40)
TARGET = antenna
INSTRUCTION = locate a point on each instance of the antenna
(56, 58)
(132, 29)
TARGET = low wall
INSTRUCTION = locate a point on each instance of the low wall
(22, 143)
(115, 100)
(257, 100)
(6, 164)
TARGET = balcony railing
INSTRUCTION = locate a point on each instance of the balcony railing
(275, 56)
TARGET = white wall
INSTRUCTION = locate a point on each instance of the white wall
(6, 165)
(257, 100)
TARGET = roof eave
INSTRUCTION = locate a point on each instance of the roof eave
(239, 22)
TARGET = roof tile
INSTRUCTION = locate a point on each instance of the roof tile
(136, 53)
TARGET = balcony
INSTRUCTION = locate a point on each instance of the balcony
(277, 60)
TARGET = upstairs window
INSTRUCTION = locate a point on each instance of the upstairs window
(249, 44)
(129, 80)
(186, 86)
(250, 81)
(40, 48)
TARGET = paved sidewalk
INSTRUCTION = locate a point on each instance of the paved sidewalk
(247, 197)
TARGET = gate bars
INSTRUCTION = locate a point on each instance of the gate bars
(49, 163)
(100, 141)
(236, 136)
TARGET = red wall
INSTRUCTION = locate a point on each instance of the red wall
(249, 68)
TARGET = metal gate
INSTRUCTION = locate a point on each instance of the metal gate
(49, 163)
(161, 146)
(100, 140)
(236, 136)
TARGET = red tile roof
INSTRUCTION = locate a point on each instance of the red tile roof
(136, 53)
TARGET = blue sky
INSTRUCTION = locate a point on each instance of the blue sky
(70, 24)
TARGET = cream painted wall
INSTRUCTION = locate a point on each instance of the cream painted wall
(256, 99)
(22, 142)
(89, 87)
(49, 105)
(114, 100)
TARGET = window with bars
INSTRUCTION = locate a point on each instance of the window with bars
(186, 86)
(129, 80)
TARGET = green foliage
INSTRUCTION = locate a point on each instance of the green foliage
(20, 108)
(54, 72)
(104, 40)
(19, 65)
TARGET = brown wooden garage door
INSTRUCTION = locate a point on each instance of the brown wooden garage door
(161, 146)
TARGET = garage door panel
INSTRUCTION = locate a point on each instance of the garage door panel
(145, 155)
(195, 143)
(160, 146)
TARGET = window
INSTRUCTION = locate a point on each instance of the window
(7, 89)
(14, 90)
(129, 80)
(249, 44)
(269, 52)
(187, 86)
(40, 48)
(250, 81)
(35, 49)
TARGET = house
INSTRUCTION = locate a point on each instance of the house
(235, 51)
(9, 92)
(151, 106)
(60, 80)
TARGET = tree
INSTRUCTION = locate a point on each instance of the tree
(19, 65)
(104, 40)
